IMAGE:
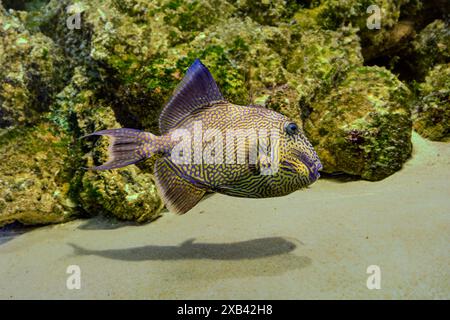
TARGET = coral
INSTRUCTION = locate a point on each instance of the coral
(432, 113)
(363, 126)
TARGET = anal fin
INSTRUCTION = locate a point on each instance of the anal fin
(178, 194)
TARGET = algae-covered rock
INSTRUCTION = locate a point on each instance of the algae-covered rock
(332, 14)
(432, 114)
(269, 12)
(320, 59)
(23, 4)
(121, 63)
(130, 44)
(317, 61)
(79, 108)
(283, 99)
(363, 126)
(141, 50)
(31, 70)
(36, 170)
(431, 47)
(126, 193)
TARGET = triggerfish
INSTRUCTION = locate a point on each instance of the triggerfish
(208, 144)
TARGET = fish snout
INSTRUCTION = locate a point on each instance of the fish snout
(314, 171)
(313, 165)
(305, 168)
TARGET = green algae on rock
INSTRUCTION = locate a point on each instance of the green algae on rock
(432, 113)
(31, 69)
(78, 108)
(320, 59)
(143, 67)
(35, 176)
(141, 49)
(267, 12)
(332, 14)
(303, 59)
(363, 126)
(431, 47)
(127, 194)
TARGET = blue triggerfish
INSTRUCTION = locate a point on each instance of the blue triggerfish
(208, 144)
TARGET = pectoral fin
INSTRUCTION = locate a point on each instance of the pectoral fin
(178, 194)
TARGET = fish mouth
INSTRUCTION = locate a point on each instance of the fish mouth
(317, 167)
(313, 165)
(296, 167)
(314, 174)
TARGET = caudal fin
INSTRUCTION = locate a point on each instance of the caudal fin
(127, 146)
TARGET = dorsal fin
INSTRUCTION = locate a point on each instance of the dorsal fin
(197, 89)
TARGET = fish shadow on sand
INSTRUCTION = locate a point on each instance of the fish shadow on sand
(211, 261)
(190, 250)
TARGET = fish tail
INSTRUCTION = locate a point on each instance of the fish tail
(127, 146)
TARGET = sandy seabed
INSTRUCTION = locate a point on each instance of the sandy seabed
(315, 243)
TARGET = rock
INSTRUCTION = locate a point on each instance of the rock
(333, 14)
(25, 5)
(130, 45)
(126, 193)
(317, 61)
(363, 126)
(402, 42)
(432, 113)
(320, 59)
(301, 58)
(267, 12)
(430, 47)
(283, 99)
(79, 108)
(36, 170)
(142, 49)
(31, 69)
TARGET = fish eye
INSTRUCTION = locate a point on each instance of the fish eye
(291, 128)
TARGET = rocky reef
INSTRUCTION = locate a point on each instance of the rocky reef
(363, 126)
(36, 171)
(30, 72)
(432, 112)
(68, 68)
